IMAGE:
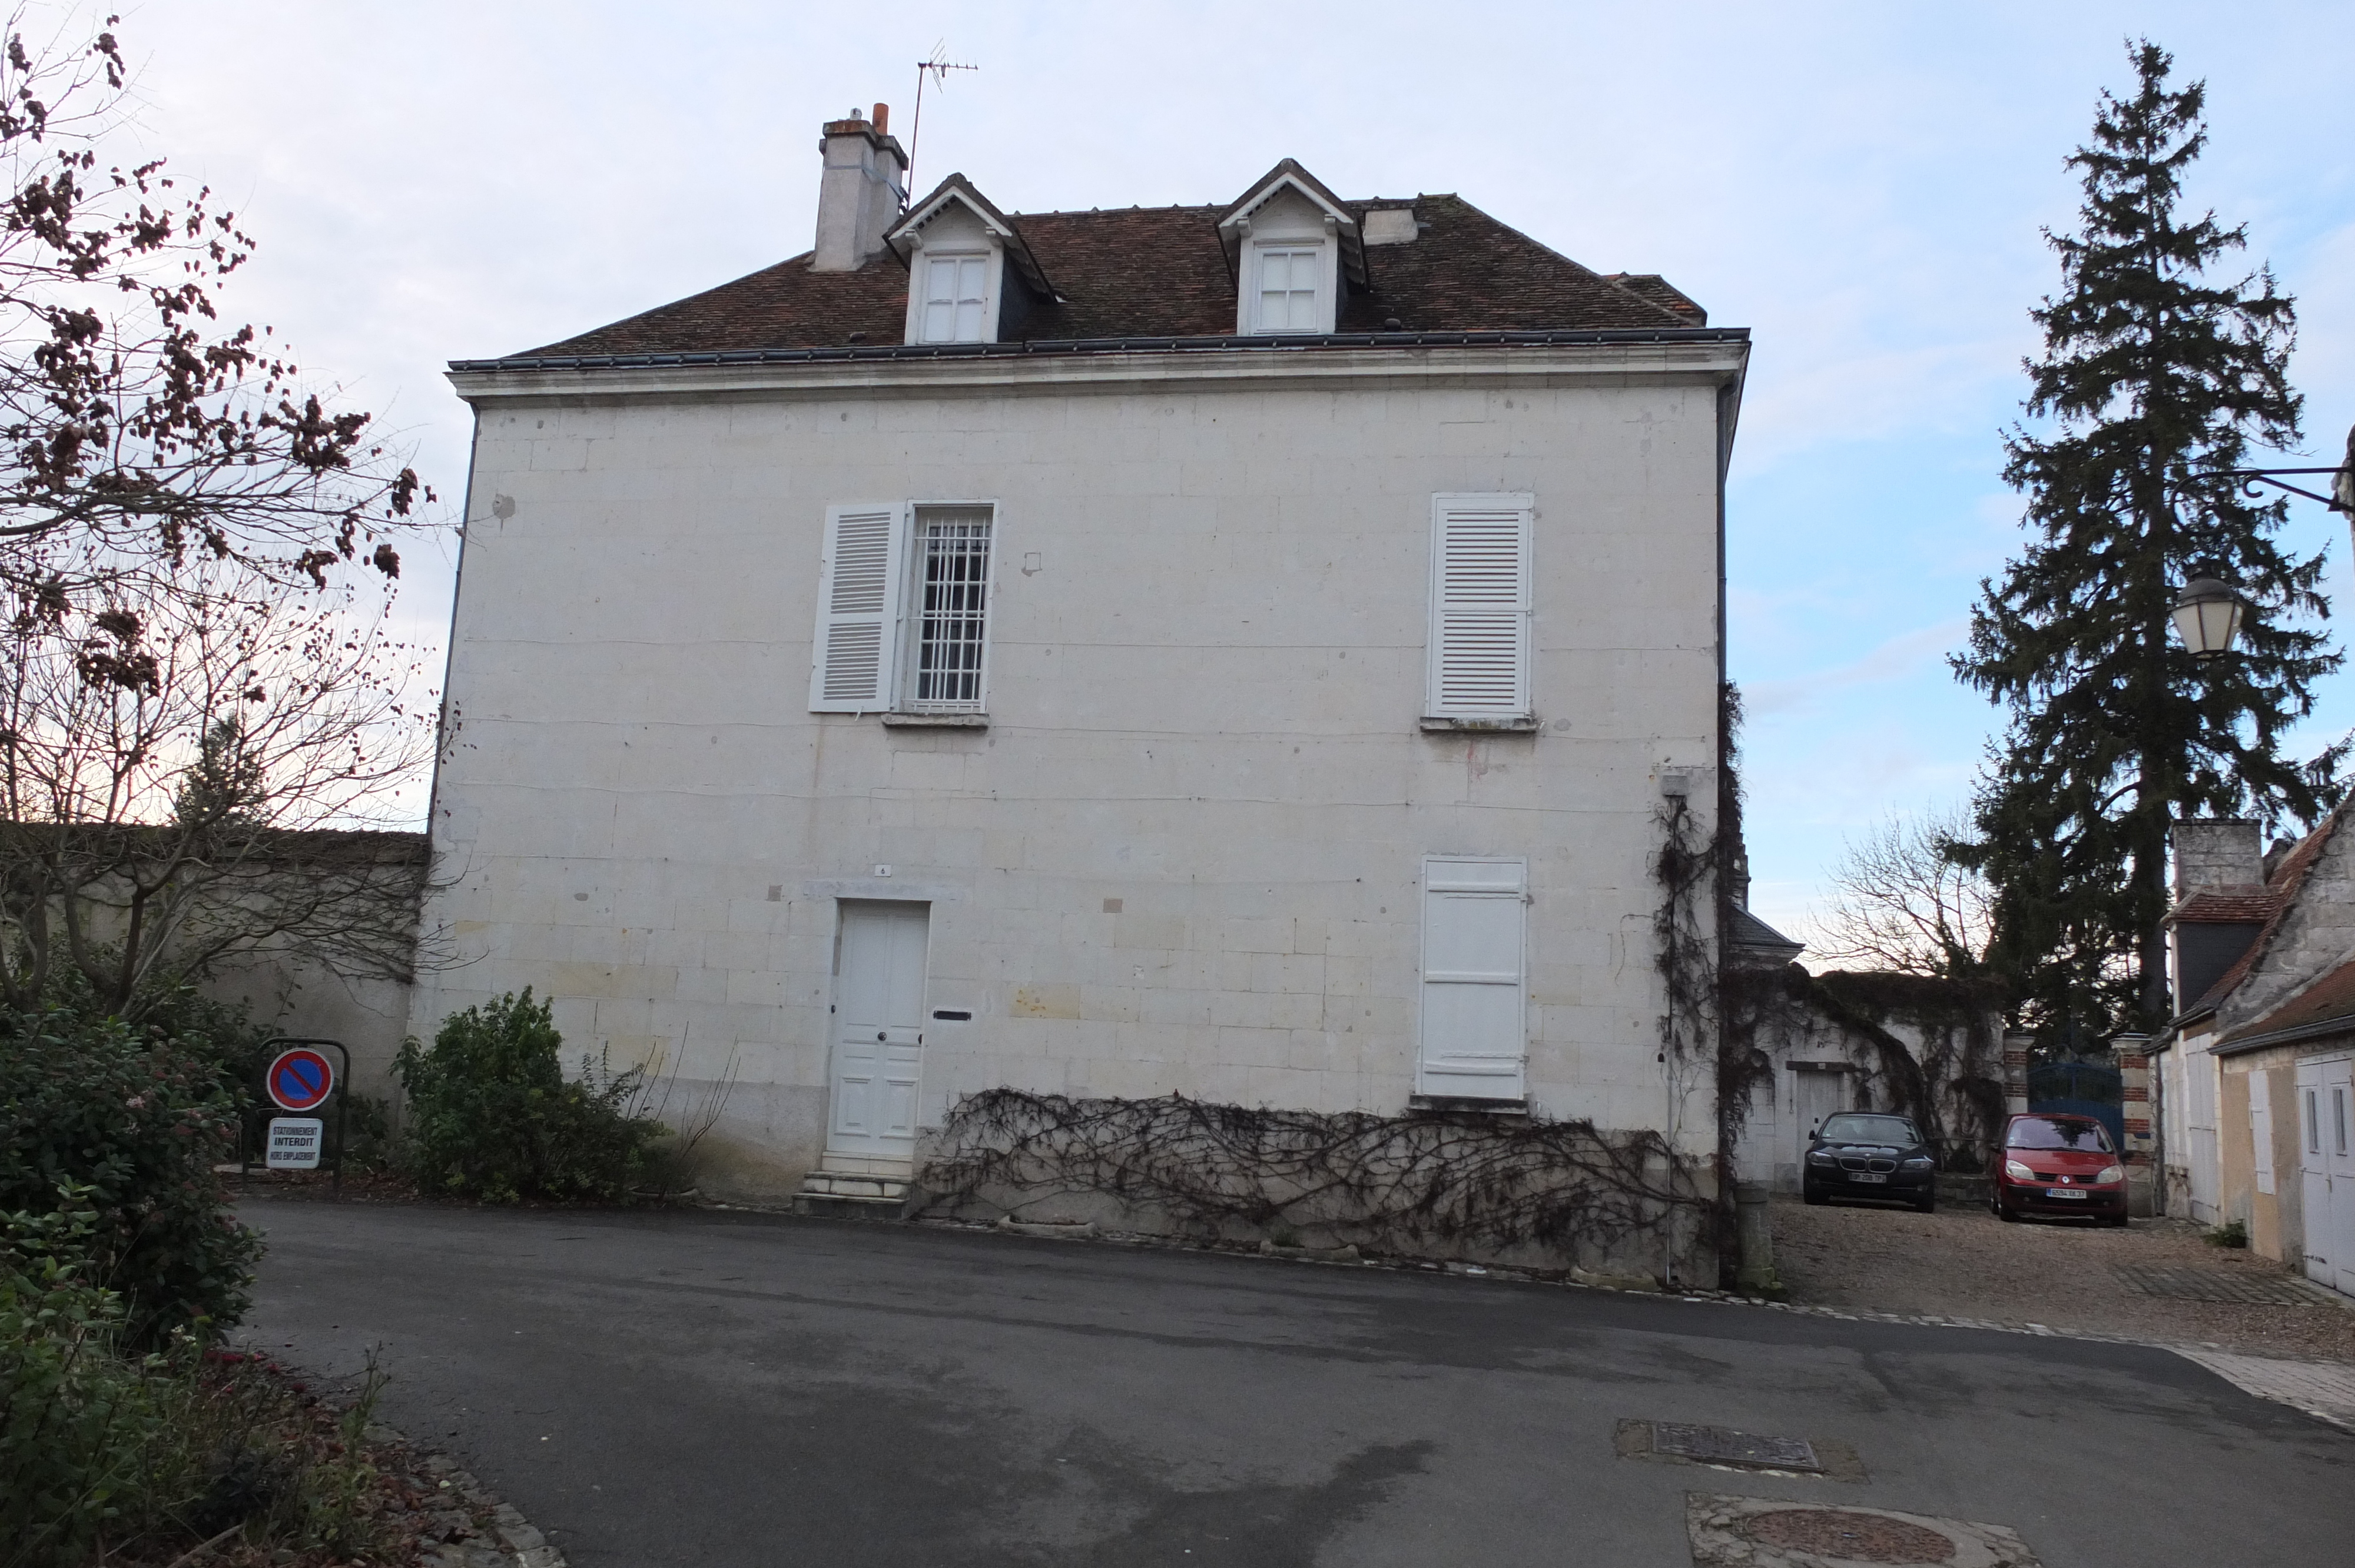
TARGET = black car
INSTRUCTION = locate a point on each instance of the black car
(1870, 1154)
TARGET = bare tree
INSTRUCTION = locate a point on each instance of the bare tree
(200, 777)
(1901, 902)
(202, 720)
(139, 433)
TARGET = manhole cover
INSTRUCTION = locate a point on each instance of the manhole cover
(1717, 1446)
(2249, 1289)
(1859, 1537)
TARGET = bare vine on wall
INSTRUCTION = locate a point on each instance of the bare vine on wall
(1441, 1183)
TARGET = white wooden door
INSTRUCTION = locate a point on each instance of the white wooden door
(2314, 1171)
(2199, 1134)
(1818, 1096)
(2336, 1104)
(878, 1003)
(1474, 995)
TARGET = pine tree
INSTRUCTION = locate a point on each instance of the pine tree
(2153, 378)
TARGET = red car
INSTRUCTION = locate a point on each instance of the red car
(2055, 1163)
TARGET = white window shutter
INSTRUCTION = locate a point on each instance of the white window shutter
(1474, 989)
(855, 652)
(1480, 635)
(2261, 1128)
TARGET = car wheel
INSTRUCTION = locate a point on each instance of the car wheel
(2115, 1222)
(1813, 1194)
(1928, 1201)
(2005, 1213)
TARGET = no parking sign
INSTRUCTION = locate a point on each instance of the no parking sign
(299, 1080)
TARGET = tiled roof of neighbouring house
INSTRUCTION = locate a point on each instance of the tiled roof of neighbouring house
(2226, 905)
(1161, 273)
(2328, 1000)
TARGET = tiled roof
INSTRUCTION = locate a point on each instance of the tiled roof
(2226, 905)
(2328, 1000)
(2282, 887)
(1162, 273)
(1749, 931)
(1660, 292)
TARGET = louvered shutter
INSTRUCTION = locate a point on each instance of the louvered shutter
(1480, 635)
(1474, 1028)
(856, 647)
(2261, 1128)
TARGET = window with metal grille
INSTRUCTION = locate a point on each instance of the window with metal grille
(952, 575)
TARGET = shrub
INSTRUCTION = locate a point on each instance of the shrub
(76, 1419)
(139, 1122)
(104, 1447)
(491, 1115)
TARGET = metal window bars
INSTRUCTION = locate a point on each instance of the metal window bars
(953, 549)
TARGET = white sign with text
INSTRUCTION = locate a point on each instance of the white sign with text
(294, 1142)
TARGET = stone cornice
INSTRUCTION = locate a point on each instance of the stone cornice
(1710, 355)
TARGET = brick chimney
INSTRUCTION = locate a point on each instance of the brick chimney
(2217, 853)
(861, 193)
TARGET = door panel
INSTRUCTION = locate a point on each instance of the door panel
(2336, 1104)
(879, 1030)
(1818, 1095)
(2314, 1174)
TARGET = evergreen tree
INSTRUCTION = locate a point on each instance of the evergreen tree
(2153, 378)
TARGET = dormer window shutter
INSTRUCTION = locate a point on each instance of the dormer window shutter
(854, 651)
(1479, 633)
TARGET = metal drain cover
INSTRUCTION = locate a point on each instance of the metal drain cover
(1775, 1532)
(1719, 1445)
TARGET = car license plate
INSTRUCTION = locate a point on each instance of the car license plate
(1865, 1176)
(2065, 1192)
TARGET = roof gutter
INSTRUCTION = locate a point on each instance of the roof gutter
(1228, 345)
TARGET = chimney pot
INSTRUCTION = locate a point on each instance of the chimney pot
(882, 118)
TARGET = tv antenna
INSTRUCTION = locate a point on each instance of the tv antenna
(938, 68)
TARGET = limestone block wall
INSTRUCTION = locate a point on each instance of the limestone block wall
(1185, 854)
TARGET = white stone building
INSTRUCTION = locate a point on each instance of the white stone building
(1247, 652)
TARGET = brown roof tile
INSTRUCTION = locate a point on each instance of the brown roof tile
(1161, 273)
(2226, 905)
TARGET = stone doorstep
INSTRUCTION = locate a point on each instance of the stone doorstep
(838, 1184)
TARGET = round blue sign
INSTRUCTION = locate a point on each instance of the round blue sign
(299, 1079)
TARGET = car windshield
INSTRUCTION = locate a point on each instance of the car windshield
(1869, 1129)
(2052, 1132)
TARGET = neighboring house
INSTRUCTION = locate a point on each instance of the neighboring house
(1252, 653)
(1813, 1045)
(2256, 1109)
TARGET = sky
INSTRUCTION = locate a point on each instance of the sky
(1863, 186)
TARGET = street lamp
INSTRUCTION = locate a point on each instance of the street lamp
(2208, 616)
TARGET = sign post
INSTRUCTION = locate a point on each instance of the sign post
(299, 1080)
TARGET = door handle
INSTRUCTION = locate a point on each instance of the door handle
(878, 1034)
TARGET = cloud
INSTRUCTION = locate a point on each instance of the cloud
(1898, 659)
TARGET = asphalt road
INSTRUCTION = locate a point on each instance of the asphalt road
(718, 1390)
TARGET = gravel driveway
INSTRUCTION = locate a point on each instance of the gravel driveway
(1962, 1261)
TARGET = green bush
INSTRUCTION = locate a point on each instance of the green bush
(139, 1121)
(491, 1115)
(76, 1419)
(150, 1454)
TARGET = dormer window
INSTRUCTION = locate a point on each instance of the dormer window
(971, 278)
(1291, 289)
(955, 298)
(1296, 250)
